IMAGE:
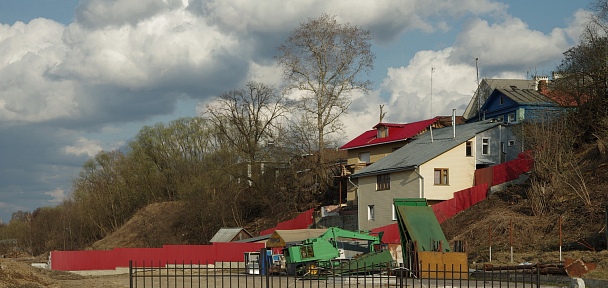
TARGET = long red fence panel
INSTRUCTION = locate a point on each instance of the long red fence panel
(462, 200)
(391, 233)
(157, 257)
(302, 221)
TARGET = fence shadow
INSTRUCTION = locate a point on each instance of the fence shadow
(147, 274)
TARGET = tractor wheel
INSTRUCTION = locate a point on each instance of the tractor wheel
(312, 269)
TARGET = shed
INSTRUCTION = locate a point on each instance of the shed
(230, 235)
(282, 238)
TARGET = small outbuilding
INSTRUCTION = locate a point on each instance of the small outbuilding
(230, 235)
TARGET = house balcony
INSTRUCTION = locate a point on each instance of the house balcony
(353, 168)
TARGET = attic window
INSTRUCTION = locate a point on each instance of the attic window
(382, 132)
(511, 117)
(501, 100)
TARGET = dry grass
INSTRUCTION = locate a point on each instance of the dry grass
(506, 220)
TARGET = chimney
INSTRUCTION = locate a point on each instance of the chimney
(543, 86)
(454, 121)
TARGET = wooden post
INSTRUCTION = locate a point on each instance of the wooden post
(490, 237)
(511, 238)
(560, 238)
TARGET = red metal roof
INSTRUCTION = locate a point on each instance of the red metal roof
(396, 132)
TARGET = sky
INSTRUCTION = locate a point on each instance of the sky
(79, 77)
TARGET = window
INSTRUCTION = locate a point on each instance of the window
(501, 100)
(511, 143)
(370, 212)
(383, 182)
(364, 157)
(382, 132)
(469, 151)
(499, 118)
(442, 176)
(485, 146)
(511, 117)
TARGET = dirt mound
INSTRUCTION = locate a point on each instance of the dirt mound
(153, 226)
(20, 273)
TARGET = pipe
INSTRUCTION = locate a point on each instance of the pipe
(357, 196)
(454, 122)
(422, 181)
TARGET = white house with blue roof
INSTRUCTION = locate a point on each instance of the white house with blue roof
(433, 166)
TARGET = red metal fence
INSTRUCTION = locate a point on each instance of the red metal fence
(158, 257)
(302, 221)
(505, 172)
(462, 200)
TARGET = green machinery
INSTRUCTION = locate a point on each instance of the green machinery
(320, 253)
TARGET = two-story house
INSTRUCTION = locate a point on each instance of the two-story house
(434, 165)
(375, 144)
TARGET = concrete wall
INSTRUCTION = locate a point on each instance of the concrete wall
(347, 222)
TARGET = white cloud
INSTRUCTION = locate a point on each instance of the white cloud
(27, 53)
(508, 45)
(100, 13)
(57, 195)
(84, 147)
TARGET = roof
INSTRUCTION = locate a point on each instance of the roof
(257, 239)
(488, 86)
(227, 234)
(422, 149)
(506, 83)
(281, 238)
(525, 96)
(396, 132)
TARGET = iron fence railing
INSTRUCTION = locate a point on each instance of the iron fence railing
(151, 275)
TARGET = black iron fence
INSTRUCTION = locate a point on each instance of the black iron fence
(150, 275)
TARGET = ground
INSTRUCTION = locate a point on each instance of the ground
(18, 273)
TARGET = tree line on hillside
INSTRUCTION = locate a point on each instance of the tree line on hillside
(254, 153)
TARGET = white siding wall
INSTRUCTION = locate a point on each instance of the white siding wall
(461, 173)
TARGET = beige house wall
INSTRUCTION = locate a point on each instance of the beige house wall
(376, 152)
(404, 184)
(461, 172)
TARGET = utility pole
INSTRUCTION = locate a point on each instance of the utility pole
(478, 94)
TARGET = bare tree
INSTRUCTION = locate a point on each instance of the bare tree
(324, 59)
(245, 118)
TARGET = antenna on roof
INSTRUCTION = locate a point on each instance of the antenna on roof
(432, 70)
(381, 114)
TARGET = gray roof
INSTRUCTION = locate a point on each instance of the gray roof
(227, 234)
(526, 96)
(422, 149)
(489, 85)
(507, 83)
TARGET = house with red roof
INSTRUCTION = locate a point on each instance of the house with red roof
(382, 140)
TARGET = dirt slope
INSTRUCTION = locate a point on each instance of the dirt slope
(506, 219)
(152, 226)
